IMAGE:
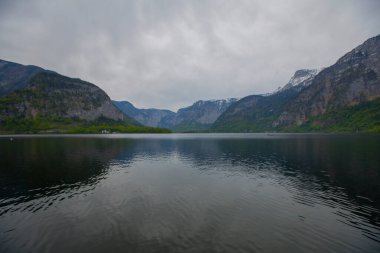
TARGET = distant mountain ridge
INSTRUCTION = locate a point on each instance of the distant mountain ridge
(147, 117)
(199, 116)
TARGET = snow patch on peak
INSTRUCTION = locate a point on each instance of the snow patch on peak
(302, 77)
(220, 103)
(225, 100)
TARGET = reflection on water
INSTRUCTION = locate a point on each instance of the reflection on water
(198, 193)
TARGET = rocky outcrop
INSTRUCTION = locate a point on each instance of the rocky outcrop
(50, 95)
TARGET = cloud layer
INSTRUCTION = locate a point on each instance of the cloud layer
(170, 53)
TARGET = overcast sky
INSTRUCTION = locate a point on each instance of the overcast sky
(170, 53)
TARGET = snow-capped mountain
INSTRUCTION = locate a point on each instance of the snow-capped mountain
(302, 78)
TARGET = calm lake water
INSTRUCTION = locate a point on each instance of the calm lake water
(190, 193)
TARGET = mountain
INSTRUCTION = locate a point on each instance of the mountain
(352, 80)
(35, 99)
(199, 116)
(315, 100)
(147, 117)
(54, 95)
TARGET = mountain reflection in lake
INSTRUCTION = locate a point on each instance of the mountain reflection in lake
(189, 192)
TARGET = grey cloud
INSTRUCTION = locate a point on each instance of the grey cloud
(167, 53)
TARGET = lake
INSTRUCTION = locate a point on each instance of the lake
(190, 193)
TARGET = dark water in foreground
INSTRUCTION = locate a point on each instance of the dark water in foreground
(190, 193)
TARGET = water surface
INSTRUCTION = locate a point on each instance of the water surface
(190, 193)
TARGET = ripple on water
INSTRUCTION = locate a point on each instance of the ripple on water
(173, 195)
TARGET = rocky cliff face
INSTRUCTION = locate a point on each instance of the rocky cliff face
(49, 94)
(352, 80)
